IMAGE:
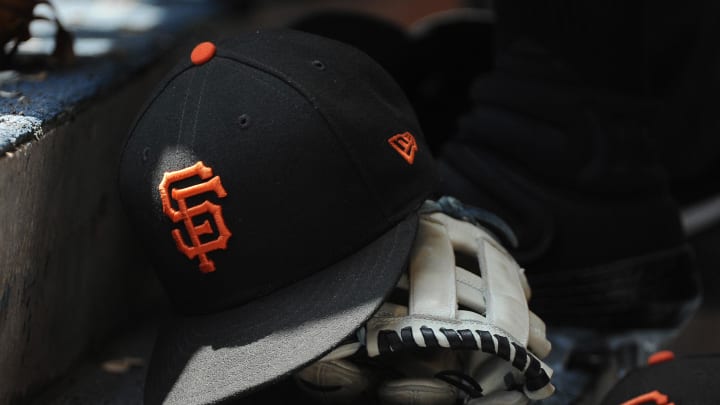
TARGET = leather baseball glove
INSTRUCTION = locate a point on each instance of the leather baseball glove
(456, 330)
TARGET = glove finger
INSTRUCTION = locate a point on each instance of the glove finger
(334, 382)
(537, 341)
(425, 364)
(525, 284)
(501, 398)
(494, 374)
(417, 391)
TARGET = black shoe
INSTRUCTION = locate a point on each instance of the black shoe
(383, 40)
(571, 169)
(448, 50)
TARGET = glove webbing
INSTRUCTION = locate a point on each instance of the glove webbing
(521, 359)
(498, 322)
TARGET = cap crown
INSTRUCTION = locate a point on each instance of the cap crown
(272, 160)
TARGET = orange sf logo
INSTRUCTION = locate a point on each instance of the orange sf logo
(186, 215)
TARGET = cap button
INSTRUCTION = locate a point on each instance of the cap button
(202, 53)
(661, 357)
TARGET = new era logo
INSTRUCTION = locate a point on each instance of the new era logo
(405, 145)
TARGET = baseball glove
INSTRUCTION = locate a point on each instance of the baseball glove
(457, 328)
(15, 19)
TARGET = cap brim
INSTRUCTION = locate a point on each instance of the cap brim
(213, 358)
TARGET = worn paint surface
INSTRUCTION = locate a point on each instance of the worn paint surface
(70, 271)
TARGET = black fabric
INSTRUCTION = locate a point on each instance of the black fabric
(691, 380)
(657, 50)
(569, 167)
(572, 171)
(592, 260)
(296, 129)
(546, 121)
(636, 47)
(561, 227)
(596, 117)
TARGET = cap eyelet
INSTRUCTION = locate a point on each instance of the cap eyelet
(244, 121)
(318, 65)
(145, 154)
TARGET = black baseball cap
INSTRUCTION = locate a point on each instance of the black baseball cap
(274, 180)
(686, 380)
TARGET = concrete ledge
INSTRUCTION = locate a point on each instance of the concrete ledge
(115, 376)
(70, 272)
(114, 40)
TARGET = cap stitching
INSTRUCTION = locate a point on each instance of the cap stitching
(199, 102)
(182, 112)
(145, 108)
(150, 102)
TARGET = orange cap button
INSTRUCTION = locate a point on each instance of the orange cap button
(202, 53)
(661, 357)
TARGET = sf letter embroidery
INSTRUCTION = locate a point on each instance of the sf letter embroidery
(196, 248)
